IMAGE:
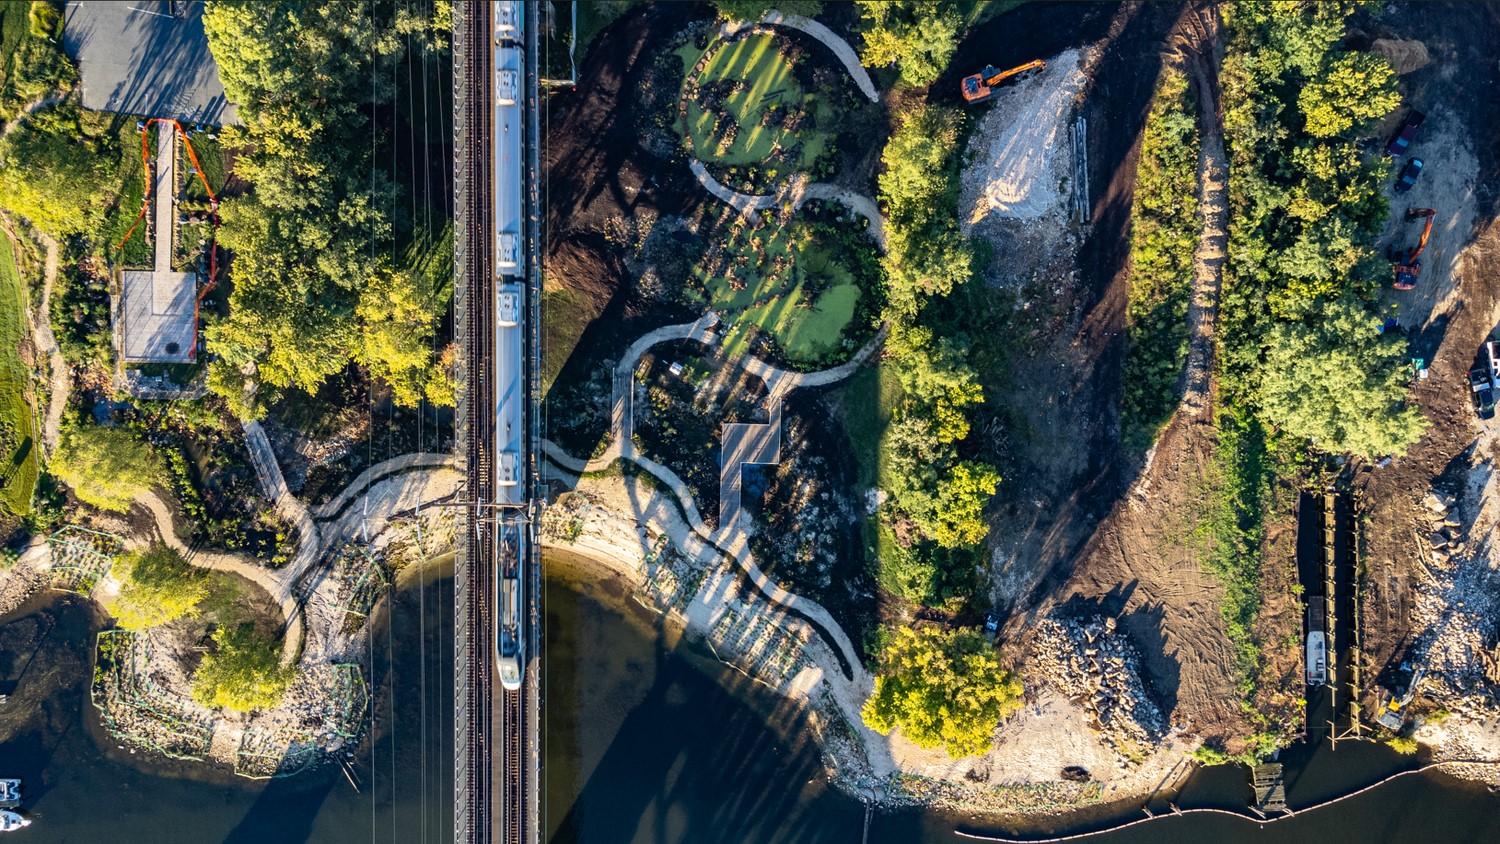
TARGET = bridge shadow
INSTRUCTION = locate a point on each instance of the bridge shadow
(701, 758)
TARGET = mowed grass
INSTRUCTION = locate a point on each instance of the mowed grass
(764, 286)
(864, 404)
(769, 82)
(18, 460)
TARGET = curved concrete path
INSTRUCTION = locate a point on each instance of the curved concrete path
(694, 535)
(799, 192)
(273, 581)
(829, 39)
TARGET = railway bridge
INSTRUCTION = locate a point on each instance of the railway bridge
(497, 303)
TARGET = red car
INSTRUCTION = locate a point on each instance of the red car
(1408, 131)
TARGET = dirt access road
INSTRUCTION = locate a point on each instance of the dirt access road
(1456, 306)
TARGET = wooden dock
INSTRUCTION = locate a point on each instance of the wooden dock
(1270, 789)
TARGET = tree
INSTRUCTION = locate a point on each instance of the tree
(396, 332)
(1340, 383)
(958, 517)
(56, 175)
(1354, 89)
(243, 673)
(106, 467)
(754, 10)
(942, 689)
(917, 36)
(156, 586)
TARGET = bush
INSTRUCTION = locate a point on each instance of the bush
(1404, 745)
(156, 586)
(106, 467)
(243, 673)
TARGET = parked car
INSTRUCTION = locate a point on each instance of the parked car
(1405, 134)
(1482, 393)
(1409, 175)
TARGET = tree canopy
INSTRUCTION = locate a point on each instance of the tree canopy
(313, 284)
(58, 172)
(754, 10)
(917, 37)
(156, 586)
(243, 673)
(106, 467)
(1340, 383)
(942, 689)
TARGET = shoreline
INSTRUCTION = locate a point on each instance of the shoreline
(602, 551)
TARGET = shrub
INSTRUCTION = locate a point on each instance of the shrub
(243, 673)
(156, 586)
(106, 467)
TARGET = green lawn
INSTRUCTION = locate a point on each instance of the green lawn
(18, 447)
(211, 155)
(776, 299)
(864, 405)
(768, 84)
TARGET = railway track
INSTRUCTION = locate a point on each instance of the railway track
(474, 815)
(497, 758)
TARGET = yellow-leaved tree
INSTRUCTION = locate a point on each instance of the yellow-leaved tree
(942, 689)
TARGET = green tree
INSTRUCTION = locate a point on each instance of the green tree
(918, 37)
(1340, 383)
(754, 10)
(243, 673)
(958, 517)
(1355, 89)
(106, 467)
(56, 175)
(942, 689)
(156, 586)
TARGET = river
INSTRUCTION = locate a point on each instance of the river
(648, 741)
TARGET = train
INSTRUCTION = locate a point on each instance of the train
(510, 533)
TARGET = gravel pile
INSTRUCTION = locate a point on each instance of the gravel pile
(1455, 606)
(1097, 666)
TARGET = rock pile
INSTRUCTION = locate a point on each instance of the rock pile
(1097, 666)
(1455, 600)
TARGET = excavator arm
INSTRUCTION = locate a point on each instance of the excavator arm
(1409, 270)
(1412, 214)
(1015, 71)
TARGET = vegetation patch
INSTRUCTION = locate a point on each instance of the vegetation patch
(18, 446)
(32, 63)
(1164, 231)
(791, 292)
(745, 105)
(106, 467)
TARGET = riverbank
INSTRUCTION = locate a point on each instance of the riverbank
(615, 527)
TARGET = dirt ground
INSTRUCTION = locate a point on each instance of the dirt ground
(1455, 306)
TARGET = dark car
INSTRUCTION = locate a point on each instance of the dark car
(1404, 136)
(1409, 175)
(1482, 393)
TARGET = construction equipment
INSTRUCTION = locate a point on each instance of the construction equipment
(1393, 702)
(1409, 268)
(981, 86)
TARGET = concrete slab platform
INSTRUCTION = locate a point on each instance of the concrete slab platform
(134, 57)
(157, 309)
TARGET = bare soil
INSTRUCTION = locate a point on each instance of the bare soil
(1455, 306)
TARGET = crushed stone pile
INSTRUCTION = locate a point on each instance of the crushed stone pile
(1098, 667)
(1456, 601)
(1020, 150)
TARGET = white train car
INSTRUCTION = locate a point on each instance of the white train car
(509, 365)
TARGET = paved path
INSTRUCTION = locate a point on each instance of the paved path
(831, 39)
(799, 192)
(405, 463)
(273, 581)
(288, 506)
(164, 189)
(745, 443)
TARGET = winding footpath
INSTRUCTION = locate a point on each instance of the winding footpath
(798, 192)
(691, 534)
(832, 41)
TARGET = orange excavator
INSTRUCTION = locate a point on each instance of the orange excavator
(981, 86)
(1408, 269)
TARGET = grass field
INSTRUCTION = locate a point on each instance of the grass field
(779, 267)
(211, 155)
(18, 449)
(864, 405)
(769, 84)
